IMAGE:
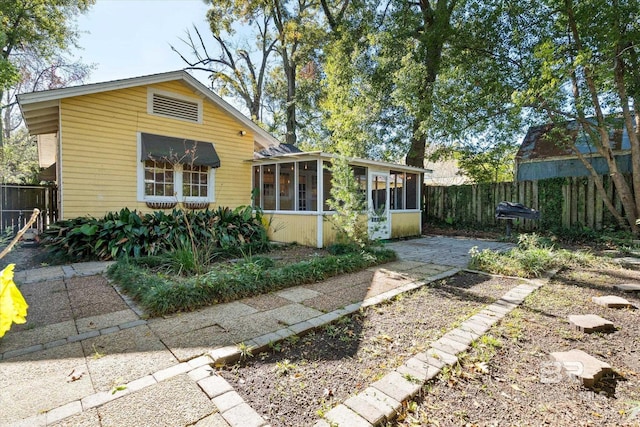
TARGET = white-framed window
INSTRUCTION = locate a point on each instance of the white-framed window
(159, 179)
(174, 106)
(162, 181)
(195, 181)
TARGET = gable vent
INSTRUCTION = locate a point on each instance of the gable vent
(175, 108)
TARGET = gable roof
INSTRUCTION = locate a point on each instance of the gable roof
(539, 144)
(41, 109)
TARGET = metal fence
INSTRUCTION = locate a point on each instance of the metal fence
(18, 201)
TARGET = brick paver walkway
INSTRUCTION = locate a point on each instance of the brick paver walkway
(87, 356)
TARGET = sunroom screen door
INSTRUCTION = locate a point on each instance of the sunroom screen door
(379, 220)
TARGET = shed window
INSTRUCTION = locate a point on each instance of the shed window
(287, 186)
(308, 186)
(397, 190)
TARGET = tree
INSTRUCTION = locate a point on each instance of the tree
(582, 67)
(40, 27)
(290, 28)
(38, 73)
(234, 71)
(19, 159)
(417, 35)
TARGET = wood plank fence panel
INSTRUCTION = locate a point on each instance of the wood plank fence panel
(474, 205)
(18, 201)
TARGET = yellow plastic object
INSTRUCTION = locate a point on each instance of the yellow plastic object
(13, 307)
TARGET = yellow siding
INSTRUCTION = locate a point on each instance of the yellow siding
(99, 142)
(329, 232)
(405, 224)
(301, 229)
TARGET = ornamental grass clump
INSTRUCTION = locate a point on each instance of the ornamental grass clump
(532, 257)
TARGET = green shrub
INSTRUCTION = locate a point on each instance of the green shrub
(195, 237)
(343, 248)
(160, 295)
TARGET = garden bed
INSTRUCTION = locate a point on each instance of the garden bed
(302, 378)
(507, 390)
(160, 286)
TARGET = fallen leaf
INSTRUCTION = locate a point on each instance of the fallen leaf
(75, 375)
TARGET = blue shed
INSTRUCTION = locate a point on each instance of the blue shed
(543, 155)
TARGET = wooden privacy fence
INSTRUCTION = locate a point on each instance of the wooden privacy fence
(17, 203)
(562, 202)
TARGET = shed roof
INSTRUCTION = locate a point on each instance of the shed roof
(41, 109)
(539, 143)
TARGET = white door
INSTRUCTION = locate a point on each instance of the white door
(379, 219)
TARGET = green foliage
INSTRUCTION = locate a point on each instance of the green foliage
(19, 159)
(343, 248)
(348, 201)
(160, 294)
(550, 200)
(193, 238)
(487, 163)
(531, 258)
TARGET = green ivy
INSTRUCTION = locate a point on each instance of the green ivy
(550, 202)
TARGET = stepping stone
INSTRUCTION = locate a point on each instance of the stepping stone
(591, 323)
(627, 287)
(581, 365)
(612, 301)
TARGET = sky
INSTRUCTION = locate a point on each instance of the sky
(130, 38)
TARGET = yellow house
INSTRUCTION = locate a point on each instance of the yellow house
(149, 142)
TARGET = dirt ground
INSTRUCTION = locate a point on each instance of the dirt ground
(24, 257)
(302, 378)
(501, 381)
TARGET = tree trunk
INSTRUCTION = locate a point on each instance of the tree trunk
(290, 72)
(415, 156)
(2, 126)
(435, 33)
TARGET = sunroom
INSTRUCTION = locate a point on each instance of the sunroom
(292, 188)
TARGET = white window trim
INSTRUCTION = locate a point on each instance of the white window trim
(151, 91)
(177, 178)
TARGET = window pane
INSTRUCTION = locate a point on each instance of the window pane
(308, 186)
(412, 191)
(326, 185)
(269, 186)
(286, 186)
(158, 179)
(379, 192)
(360, 174)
